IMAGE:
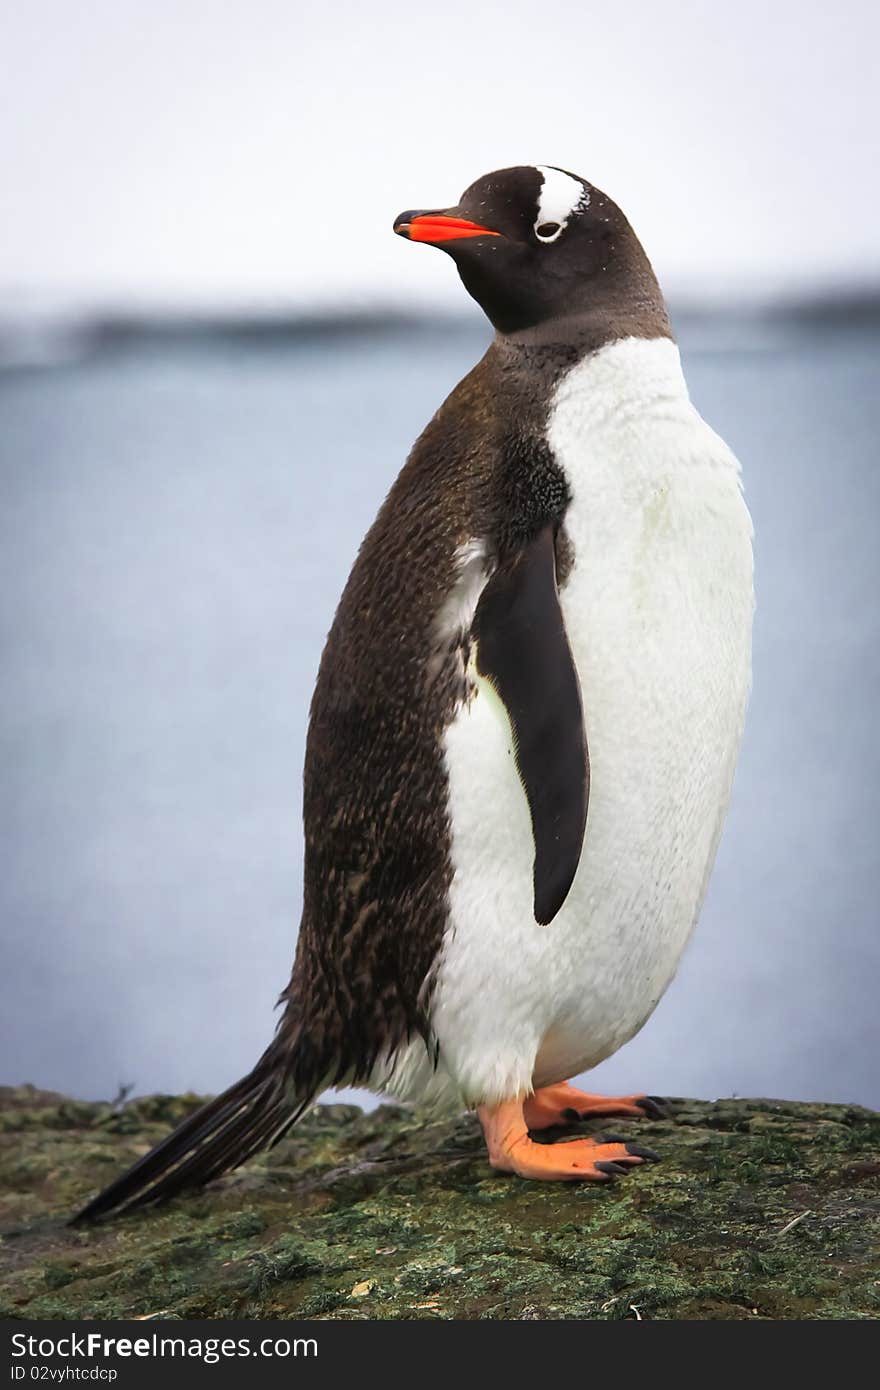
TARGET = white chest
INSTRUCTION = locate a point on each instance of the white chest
(658, 612)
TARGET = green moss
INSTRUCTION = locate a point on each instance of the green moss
(394, 1215)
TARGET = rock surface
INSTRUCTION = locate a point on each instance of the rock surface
(760, 1209)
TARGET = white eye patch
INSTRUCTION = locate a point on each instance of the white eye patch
(561, 196)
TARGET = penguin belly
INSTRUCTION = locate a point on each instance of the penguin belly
(657, 607)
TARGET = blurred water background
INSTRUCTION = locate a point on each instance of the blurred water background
(181, 504)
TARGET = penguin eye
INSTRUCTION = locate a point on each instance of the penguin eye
(548, 231)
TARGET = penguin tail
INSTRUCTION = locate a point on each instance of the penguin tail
(251, 1115)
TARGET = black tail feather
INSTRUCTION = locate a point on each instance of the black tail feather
(253, 1113)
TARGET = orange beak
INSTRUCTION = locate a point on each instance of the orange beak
(435, 227)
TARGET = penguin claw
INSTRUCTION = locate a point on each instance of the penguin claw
(639, 1151)
(655, 1107)
(616, 1166)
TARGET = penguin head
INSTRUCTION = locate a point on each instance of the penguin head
(532, 244)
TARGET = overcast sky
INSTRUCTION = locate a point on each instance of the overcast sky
(259, 149)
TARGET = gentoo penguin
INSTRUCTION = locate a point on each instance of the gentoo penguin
(524, 730)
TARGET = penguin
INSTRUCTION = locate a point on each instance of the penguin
(526, 720)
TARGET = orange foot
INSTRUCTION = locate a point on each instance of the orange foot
(564, 1105)
(512, 1151)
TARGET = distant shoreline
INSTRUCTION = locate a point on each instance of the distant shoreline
(57, 338)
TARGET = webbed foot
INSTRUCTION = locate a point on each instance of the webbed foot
(564, 1105)
(597, 1159)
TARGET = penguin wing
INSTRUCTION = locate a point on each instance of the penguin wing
(522, 650)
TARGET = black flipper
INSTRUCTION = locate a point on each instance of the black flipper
(523, 651)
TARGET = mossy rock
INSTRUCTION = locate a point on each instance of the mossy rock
(760, 1209)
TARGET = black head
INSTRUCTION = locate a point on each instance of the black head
(535, 244)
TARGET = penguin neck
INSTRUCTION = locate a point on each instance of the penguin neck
(571, 337)
(628, 304)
